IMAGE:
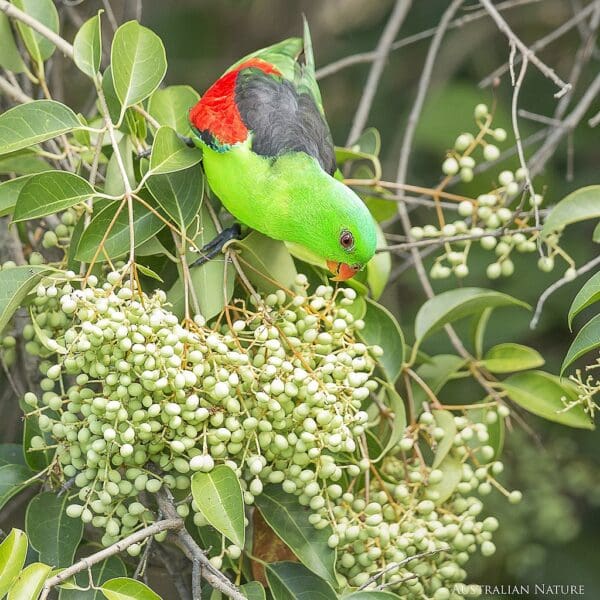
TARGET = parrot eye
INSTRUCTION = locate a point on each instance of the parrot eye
(346, 240)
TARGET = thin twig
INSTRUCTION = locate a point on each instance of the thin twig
(588, 266)
(110, 14)
(382, 51)
(116, 548)
(524, 50)
(456, 238)
(366, 57)
(546, 151)
(539, 44)
(194, 552)
(12, 11)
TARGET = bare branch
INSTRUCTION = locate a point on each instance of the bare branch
(540, 44)
(367, 57)
(524, 50)
(545, 152)
(195, 553)
(117, 548)
(382, 51)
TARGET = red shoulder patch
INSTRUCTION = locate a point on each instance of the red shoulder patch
(217, 113)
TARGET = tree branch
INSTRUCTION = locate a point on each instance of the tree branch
(525, 51)
(195, 553)
(382, 51)
(117, 548)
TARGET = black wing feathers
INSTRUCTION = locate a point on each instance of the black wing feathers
(282, 119)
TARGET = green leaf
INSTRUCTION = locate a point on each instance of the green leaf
(12, 478)
(580, 205)
(45, 12)
(50, 192)
(585, 341)
(51, 532)
(145, 225)
(509, 357)
(293, 581)
(541, 394)
(398, 418)
(253, 591)
(15, 284)
(171, 106)
(289, 520)
(10, 58)
(596, 234)
(9, 192)
(478, 327)
(213, 282)
(382, 329)
(30, 582)
(266, 262)
(13, 551)
(101, 572)
(587, 295)
(114, 184)
(138, 62)
(379, 267)
(445, 420)
(34, 122)
(218, 495)
(179, 194)
(11, 454)
(23, 162)
(436, 372)
(451, 467)
(170, 154)
(123, 588)
(456, 304)
(87, 46)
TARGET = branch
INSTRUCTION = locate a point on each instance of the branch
(195, 553)
(456, 238)
(540, 44)
(525, 51)
(15, 13)
(588, 266)
(367, 57)
(381, 53)
(545, 152)
(117, 548)
(13, 92)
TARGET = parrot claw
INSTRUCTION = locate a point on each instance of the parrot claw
(214, 247)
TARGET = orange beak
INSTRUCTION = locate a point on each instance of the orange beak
(342, 271)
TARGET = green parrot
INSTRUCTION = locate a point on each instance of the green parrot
(269, 157)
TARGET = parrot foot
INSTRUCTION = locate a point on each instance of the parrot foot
(214, 247)
(188, 141)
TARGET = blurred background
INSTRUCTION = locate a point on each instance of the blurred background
(552, 536)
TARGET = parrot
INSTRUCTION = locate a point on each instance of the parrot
(268, 155)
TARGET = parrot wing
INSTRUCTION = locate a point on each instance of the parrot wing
(273, 97)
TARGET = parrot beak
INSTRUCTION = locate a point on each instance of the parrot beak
(342, 271)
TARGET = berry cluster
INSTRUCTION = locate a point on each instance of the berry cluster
(133, 400)
(500, 221)
(414, 509)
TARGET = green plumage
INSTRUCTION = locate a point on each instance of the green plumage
(288, 195)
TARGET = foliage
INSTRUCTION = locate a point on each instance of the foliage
(246, 408)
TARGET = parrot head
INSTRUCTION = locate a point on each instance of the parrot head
(348, 237)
